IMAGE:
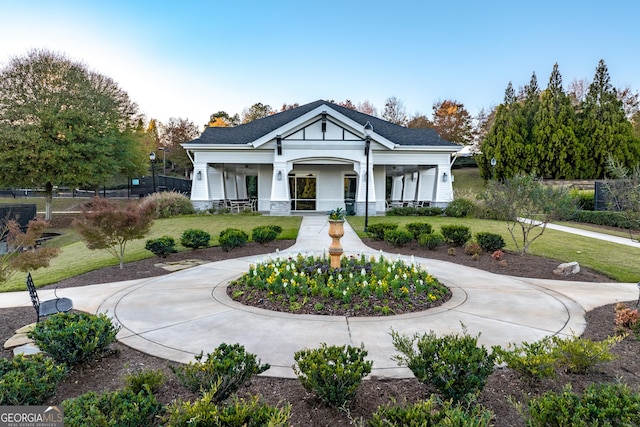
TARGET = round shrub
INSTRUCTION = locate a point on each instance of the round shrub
(430, 241)
(460, 208)
(111, 409)
(265, 233)
(398, 237)
(195, 239)
(170, 203)
(457, 235)
(232, 238)
(432, 412)
(223, 372)
(29, 380)
(162, 246)
(418, 228)
(376, 231)
(598, 405)
(490, 242)
(73, 338)
(454, 364)
(333, 373)
(250, 412)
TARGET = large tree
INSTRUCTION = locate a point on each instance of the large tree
(62, 124)
(452, 122)
(395, 112)
(604, 129)
(554, 132)
(505, 140)
(174, 133)
(223, 119)
(367, 107)
(255, 112)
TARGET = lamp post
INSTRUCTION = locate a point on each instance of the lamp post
(493, 168)
(368, 128)
(164, 159)
(152, 160)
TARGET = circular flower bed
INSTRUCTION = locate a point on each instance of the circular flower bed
(360, 287)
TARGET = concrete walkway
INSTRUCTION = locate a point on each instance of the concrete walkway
(177, 316)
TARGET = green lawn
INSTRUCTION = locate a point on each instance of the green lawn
(467, 182)
(76, 259)
(616, 261)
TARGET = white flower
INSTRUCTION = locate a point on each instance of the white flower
(363, 272)
(413, 260)
(344, 292)
(339, 276)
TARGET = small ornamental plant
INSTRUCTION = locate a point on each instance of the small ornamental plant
(359, 281)
(333, 373)
(337, 214)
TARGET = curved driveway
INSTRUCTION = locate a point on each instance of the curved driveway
(177, 316)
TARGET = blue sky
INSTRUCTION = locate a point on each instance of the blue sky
(192, 58)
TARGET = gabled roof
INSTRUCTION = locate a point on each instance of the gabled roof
(252, 131)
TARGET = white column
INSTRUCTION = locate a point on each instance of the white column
(280, 203)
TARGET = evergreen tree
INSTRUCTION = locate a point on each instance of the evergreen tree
(531, 107)
(505, 140)
(553, 131)
(604, 129)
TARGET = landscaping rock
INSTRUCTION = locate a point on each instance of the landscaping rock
(16, 340)
(26, 349)
(567, 269)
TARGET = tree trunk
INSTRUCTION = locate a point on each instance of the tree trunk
(48, 201)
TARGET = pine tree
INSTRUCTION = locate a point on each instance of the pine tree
(531, 107)
(554, 133)
(505, 140)
(604, 129)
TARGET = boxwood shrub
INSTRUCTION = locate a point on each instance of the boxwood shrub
(29, 380)
(398, 237)
(230, 238)
(430, 241)
(457, 235)
(490, 242)
(73, 338)
(419, 228)
(265, 233)
(224, 371)
(162, 246)
(111, 409)
(376, 231)
(333, 373)
(195, 239)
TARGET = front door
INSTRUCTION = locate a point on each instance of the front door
(302, 192)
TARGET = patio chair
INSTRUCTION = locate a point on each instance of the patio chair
(48, 307)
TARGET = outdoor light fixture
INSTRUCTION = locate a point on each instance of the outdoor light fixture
(279, 175)
(445, 177)
(324, 121)
(152, 160)
(199, 175)
(368, 129)
(279, 144)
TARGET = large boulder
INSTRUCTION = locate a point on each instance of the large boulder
(567, 269)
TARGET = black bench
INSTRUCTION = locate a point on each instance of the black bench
(48, 307)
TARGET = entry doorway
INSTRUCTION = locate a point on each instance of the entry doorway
(302, 191)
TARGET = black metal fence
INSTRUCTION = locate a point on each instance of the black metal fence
(136, 187)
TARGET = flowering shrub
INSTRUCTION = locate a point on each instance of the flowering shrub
(625, 317)
(358, 281)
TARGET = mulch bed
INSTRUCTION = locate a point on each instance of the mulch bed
(107, 373)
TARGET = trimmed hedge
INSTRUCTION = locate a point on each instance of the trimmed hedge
(377, 231)
(608, 218)
(412, 211)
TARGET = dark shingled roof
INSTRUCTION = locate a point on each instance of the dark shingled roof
(249, 132)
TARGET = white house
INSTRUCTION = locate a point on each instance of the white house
(314, 158)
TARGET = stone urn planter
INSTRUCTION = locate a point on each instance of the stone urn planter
(336, 231)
